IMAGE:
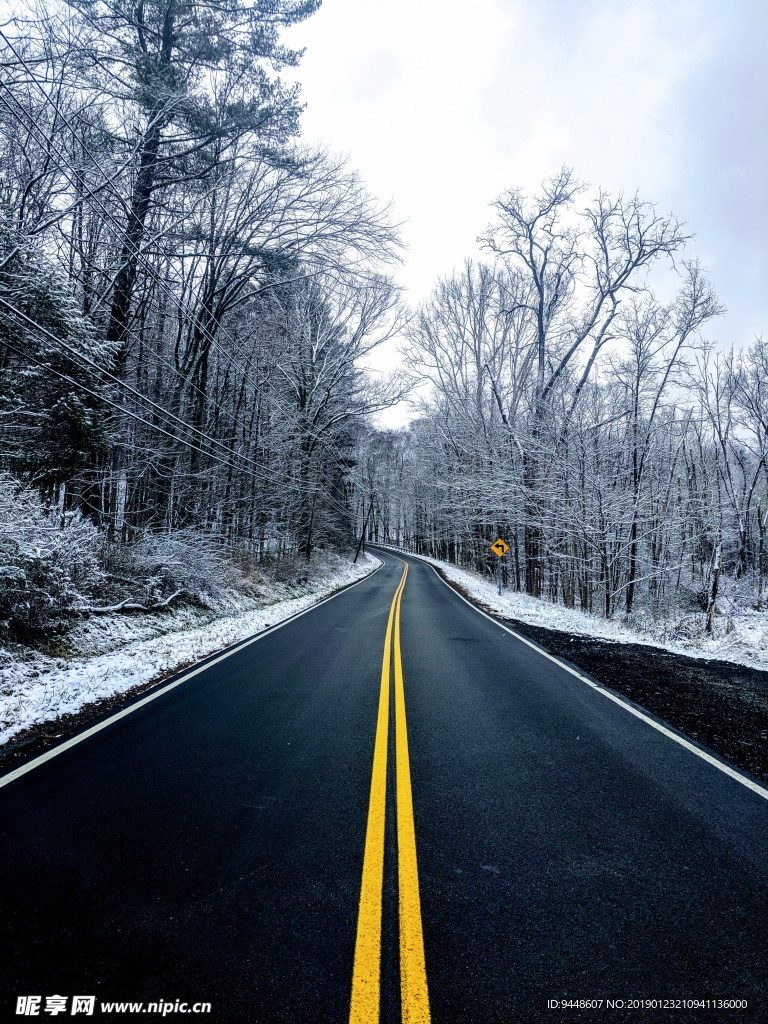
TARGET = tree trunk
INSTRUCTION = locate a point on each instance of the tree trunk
(122, 294)
(714, 588)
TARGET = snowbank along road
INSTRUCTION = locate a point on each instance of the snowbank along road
(390, 808)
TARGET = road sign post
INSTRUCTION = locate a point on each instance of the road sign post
(499, 548)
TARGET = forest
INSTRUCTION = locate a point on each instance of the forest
(189, 299)
(571, 411)
(186, 292)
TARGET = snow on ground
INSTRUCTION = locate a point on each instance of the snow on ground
(745, 644)
(39, 689)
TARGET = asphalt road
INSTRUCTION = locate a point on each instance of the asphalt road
(209, 846)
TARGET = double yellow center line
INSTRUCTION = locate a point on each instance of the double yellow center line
(366, 975)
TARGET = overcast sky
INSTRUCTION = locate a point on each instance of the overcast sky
(442, 104)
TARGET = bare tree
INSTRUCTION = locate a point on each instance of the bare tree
(577, 266)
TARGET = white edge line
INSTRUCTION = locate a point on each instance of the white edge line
(238, 645)
(726, 768)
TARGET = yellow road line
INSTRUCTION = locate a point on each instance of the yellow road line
(366, 974)
(413, 972)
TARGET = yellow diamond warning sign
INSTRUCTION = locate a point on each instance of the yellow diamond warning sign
(499, 547)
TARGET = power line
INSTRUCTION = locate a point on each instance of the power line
(166, 413)
(264, 473)
(137, 253)
(291, 483)
(108, 401)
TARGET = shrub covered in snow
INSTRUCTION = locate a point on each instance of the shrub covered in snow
(55, 564)
(48, 560)
(185, 561)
